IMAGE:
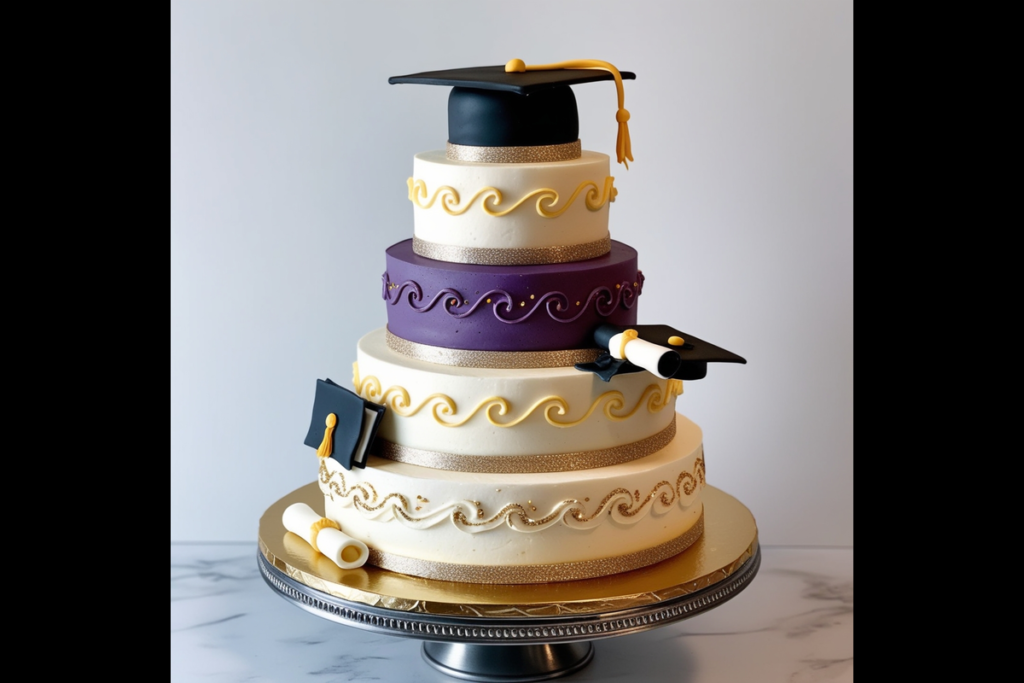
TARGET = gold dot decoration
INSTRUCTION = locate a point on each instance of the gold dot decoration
(522, 303)
(577, 303)
(676, 341)
(488, 301)
(532, 296)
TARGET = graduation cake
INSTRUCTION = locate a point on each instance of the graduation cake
(513, 423)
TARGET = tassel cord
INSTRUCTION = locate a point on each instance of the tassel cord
(623, 147)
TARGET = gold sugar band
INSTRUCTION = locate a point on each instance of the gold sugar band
(538, 573)
(499, 360)
(515, 256)
(317, 527)
(524, 464)
(515, 155)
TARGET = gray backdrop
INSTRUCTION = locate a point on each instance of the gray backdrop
(289, 156)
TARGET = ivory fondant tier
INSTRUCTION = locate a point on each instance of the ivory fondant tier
(504, 213)
(509, 308)
(523, 528)
(511, 417)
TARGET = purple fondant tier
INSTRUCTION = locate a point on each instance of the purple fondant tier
(509, 308)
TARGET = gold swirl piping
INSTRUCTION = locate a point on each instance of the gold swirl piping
(654, 396)
(620, 504)
(538, 573)
(595, 199)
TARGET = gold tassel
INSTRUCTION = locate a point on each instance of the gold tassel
(327, 445)
(623, 148)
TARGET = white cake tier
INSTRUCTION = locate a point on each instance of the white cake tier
(500, 527)
(535, 207)
(506, 418)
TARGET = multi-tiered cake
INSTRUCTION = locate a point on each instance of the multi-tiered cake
(529, 431)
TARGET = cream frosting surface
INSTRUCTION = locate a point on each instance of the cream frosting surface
(562, 203)
(494, 412)
(520, 519)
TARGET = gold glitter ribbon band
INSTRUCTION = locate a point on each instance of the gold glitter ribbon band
(515, 155)
(516, 256)
(498, 360)
(538, 573)
(522, 464)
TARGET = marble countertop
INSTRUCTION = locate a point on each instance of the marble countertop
(793, 623)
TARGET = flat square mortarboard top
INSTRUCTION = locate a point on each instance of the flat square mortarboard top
(496, 78)
(497, 106)
(343, 424)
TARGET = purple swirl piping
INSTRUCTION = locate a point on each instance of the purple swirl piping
(605, 300)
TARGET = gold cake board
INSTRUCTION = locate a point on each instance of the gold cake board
(546, 628)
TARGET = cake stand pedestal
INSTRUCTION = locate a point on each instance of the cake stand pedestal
(513, 633)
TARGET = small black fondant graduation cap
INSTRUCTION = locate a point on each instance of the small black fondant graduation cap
(518, 105)
(343, 424)
(694, 354)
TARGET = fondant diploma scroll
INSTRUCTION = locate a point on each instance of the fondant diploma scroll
(342, 549)
(657, 360)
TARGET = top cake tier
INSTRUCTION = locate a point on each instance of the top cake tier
(511, 213)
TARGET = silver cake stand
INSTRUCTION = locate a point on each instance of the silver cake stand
(513, 633)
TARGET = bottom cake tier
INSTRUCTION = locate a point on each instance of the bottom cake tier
(523, 528)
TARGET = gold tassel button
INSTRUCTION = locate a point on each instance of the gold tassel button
(327, 445)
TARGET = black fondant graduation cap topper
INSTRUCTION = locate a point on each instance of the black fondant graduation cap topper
(343, 424)
(520, 105)
(659, 349)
